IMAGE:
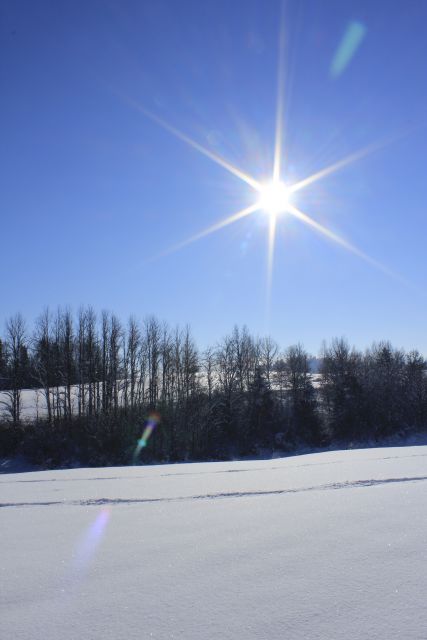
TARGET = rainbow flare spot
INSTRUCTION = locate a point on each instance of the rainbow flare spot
(152, 422)
(92, 538)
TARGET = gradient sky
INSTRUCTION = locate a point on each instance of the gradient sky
(91, 189)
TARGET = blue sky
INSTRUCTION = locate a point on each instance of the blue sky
(91, 189)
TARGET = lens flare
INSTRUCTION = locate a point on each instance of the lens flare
(351, 41)
(152, 422)
(91, 539)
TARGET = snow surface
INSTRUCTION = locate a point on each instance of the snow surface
(321, 546)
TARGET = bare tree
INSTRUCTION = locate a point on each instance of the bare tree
(115, 359)
(67, 347)
(133, 353)
(152, 331)
(269, 350)
(43, 358)
(15, 340)
(208, 364)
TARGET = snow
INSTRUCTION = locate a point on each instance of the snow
(321, 546)
(33, 401)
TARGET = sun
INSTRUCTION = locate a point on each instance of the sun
(274, 197)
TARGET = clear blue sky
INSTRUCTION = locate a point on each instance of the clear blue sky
(91, 189)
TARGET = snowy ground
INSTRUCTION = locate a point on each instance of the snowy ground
(322, 546)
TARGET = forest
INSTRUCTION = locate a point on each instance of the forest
(142, 392)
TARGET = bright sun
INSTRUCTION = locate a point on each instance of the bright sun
(274, 197)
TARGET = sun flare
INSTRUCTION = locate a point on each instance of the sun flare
(274, 198)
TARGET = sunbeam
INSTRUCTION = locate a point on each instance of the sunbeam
(215, 227)
(297, 213)
(272, 222)
(273, 196)
(280, 102)
(336, 166)
(352, 157)
(196, 145)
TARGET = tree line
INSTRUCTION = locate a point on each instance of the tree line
(99, 380)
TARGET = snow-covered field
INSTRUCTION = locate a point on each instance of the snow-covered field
(322, 546)
(33, 401)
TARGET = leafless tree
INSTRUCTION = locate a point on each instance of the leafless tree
(15, 340)
(43, 358)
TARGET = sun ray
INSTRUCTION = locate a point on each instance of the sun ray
(196, 145)
(352, 157)
(357, 155)
(272, 222)
(278, 141)
(297, 213)
(212, 229)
